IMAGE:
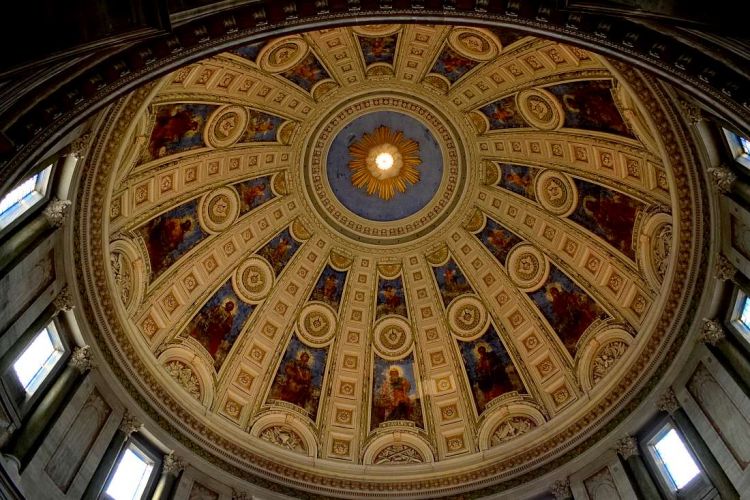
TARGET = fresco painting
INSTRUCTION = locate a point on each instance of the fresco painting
(504, 114)
(589, 105)
(498, 240)
(254, 193)
(307, 73)
(608, 214)
(489, 368)
(330, 287)
(391, 298)
(299, 379)
(280, 250)
(452, 65)
(171, 235)
(249, 52)
(219, 322)
(451, 281)
(507, 36)
(568, 309)
(518, 179)
(381, 49)
(261, 127)
(394, 393)
(177, 128)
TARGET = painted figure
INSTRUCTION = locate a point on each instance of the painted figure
(451, 281)
(518, 179)
(498, 240)
(219, 322)
(589, 105)
(489, 368)
(451, 65)
(329, 287)
(608, 214)
(503, 114)
(177, 128)
(391, 298)
(568, 309)
(299, 378)
(380, 49)
(261, 127)
(307, 73)
(171, 235)
(279, 251)
(394, 394)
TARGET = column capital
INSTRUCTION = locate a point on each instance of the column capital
(723, 178)
(172, 464)
(80, 359)
(724, 270)
(56, 212)
(241, 495)
(561, 489)
(668, 402)
(627, 447)
(691, 112)
(79, 146)
(130, 424)
(64, 300)
(712, 332)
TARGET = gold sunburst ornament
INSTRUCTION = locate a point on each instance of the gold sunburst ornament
(383, 162)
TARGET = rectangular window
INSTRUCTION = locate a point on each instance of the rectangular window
(677, 469)
(36, 362)
(745, 314)
(24, 196)
(739, 146)
(131, 475)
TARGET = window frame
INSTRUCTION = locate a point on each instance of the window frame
(698, 487)
(736, 151)
(42, 194)
(733, 320)
(21, 401)
(146, 448)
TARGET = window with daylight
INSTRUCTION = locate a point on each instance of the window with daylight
(132, 474)
(739, 145)
(678, 467)
(745, 312)
(38, 359)
(24, 196)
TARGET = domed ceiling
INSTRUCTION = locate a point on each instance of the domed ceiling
(390, 259)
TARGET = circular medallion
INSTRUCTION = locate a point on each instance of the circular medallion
(540, 108)
(556, 193)
(282, 54)
(384, 170)
(527, 267)
(219, 209)
(473, 43)
(316, 324)
(392, 337)
(226, 126)
(467, 317)
(253, 279)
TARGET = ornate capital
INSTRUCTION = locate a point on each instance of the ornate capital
(172, 464)
(691, 112)
(80, 359)
(723, 178)
(79, 146)
(627, 447)
(668, 402)
(56, 211)
(561, 489)
(130, 424)
(712, 332)
(64, 300)
(724, 270)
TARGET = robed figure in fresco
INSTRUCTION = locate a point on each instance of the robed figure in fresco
(296, 387)
(393, 397)
(493, 377)
(212, 328)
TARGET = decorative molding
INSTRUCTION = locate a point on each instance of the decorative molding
(80, 145)
(561, 489)
(668, 402)
(627, 447)
(64, 300)
(723, 178)
(712, 332)
(691, 112)
(80, 359)
(56, 212)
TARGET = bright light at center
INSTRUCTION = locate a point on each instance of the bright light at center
(384, 161)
